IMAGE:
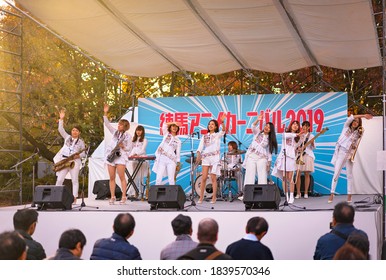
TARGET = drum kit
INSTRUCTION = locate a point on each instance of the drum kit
(224, 181)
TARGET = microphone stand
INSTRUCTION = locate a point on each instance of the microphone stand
(83, 173)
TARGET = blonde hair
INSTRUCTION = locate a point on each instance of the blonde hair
(125, 123)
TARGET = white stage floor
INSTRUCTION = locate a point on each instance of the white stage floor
(293, 230)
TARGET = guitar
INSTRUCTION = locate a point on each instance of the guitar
(299, 158)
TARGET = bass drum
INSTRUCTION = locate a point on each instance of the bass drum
(208, 191)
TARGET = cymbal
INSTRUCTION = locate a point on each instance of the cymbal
(238, 152)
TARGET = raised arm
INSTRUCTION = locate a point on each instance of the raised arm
(106, 120)
(61, 130)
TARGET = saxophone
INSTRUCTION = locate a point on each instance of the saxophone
(116, 152)
(67, 162)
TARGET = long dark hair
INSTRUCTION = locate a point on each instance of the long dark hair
(359, 123)
(216, 123)
(272, 142)
(139, 128)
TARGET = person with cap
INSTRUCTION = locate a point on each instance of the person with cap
(182, 229)
(168, 154)
(117, 152)
(73, 146)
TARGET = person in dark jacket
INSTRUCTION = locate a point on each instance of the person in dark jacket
(342, 227)
(12, 246)
(117, 247)
(71, 245)
(207, 234)
(250, 247)
(24, 222)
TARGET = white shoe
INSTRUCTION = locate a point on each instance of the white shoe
(291, 199)
(298, 196)
(306, 196)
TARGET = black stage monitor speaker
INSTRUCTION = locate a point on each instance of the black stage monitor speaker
(53, 197)
(166, 196)
(261, 197)
(102, 190)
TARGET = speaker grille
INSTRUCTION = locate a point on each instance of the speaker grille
(261, 197)
(165, 196)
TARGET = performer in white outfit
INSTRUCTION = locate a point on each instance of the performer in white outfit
(119, 147)
(209, 153)
(259, 154)
(168, 154)
(346, 145)
(308, 158)
(72, 144)
(231, 167)
(286, 162)
(139, 145)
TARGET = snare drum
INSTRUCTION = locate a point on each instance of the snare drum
(208, 191)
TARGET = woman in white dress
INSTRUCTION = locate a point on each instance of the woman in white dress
(286, 160)
(308, 159)
(116, 156)
(208, 153)
(139, 145)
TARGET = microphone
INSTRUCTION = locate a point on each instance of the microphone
(198, 135)
(225, 138)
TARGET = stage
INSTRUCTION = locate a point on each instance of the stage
(293, 230)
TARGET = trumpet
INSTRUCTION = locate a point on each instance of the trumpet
(359, 131)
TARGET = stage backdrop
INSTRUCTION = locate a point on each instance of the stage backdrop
(320, 109)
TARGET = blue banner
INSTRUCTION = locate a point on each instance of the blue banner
(194, 113)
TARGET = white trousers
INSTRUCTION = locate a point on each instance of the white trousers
(165, 164)
(340, 158)
(256, 165)
(74, 172)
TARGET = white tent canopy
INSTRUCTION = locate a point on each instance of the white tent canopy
(152, 37)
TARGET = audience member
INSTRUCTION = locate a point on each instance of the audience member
(349, 252)
(207, 234)
(342, 227)
(182, 228)
(117, 247)
(361, 242)
(250, 247)
(71, 245)
(24, 222)
(12, 246)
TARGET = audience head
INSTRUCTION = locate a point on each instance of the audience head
(25, 220)
(257, 226)
(124, 225)
(349, 252)
(73, 240)
(359, 241)
(12, 246)
(343, 213)
(182, 225)
(207, 231)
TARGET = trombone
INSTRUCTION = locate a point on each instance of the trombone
(352, 151)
